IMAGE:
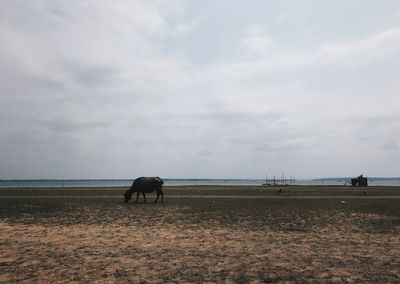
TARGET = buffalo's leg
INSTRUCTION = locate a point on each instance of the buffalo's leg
(137, 197)
(158, 195)
(144, 195)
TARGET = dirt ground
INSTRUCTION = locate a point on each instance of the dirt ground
(201, 234)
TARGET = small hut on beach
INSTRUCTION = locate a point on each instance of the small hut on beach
(359, 181)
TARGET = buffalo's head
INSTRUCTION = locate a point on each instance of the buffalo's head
(127, 196)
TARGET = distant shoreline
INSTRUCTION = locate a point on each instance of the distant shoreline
(72, 183)
(292, 188)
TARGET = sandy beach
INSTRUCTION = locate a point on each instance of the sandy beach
(236, 234)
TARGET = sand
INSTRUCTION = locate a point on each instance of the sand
(201, 235)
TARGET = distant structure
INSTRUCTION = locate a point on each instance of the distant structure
(359, 181)
(282, 181)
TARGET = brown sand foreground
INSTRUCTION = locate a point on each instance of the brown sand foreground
(201, 234)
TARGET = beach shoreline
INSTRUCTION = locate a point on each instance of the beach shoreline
(201, 234)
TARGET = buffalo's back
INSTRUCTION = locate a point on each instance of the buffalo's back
(147, 184)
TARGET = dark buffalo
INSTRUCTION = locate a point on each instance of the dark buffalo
(145, 185)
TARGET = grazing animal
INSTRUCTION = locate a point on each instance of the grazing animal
(145, 185)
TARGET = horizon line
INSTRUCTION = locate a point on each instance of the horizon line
(174, 178)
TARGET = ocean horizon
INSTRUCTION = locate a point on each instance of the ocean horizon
(60, 183)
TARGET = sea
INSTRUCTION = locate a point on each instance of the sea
(68, 183)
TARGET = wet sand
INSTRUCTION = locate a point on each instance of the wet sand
(201, 234)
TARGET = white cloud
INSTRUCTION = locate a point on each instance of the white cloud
(256, 40)
(360, 51)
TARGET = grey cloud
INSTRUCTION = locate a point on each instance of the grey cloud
(237, 117)
(90, 76)
(65, 125)
(390, 146)
(280, 147)
(373, 120)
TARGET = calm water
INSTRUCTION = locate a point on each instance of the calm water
(127, 182)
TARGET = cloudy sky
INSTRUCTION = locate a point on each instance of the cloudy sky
(205, 89)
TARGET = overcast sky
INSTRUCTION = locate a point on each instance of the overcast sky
(199, 89)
